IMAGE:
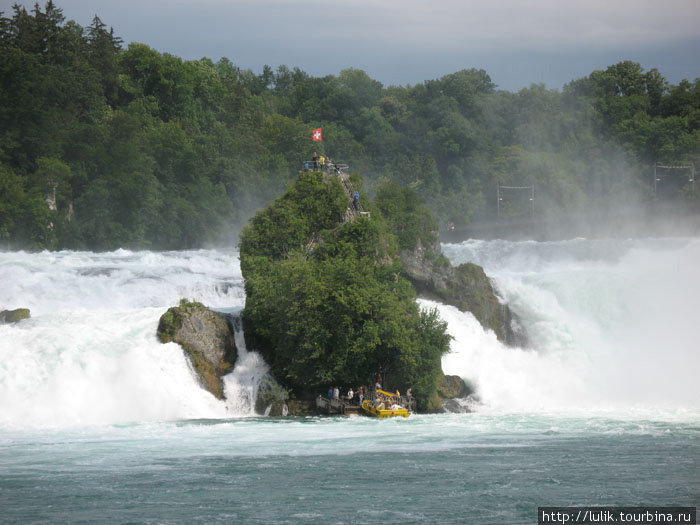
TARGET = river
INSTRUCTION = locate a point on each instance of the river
(101, 423)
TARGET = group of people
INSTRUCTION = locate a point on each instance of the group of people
(355, 397)
(321, 162)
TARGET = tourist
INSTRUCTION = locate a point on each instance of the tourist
(330, 392)
(314, 159)
(336, 393)
(350, 394)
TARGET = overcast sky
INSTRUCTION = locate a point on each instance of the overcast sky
(517, 42)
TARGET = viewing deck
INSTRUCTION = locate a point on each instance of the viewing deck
(341, 407)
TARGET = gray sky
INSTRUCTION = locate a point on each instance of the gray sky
(517, 42)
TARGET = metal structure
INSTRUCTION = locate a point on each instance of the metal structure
(334, 406)
(658, 166)
(499, 198)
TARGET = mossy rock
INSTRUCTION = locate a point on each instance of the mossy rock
(276, 409)
(450, 387)
(170, 322)
(206, 338)
(14, 316)
(299, 407)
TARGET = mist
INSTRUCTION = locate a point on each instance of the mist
(610, 325)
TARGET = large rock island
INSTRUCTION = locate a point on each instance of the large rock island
(330, 296)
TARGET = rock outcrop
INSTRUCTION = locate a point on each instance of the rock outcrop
(452, 395)
(298, 407)
(466, 287)
(207, 339)
(450, 387)
(271, 395)
(13, 316)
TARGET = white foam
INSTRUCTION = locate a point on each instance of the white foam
(89, 354)
(242, 384)
(611, 326)
(82, 369)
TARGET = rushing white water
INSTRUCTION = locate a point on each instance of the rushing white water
(241, 385)
(611, 326)
(101, 423)
(89, 354)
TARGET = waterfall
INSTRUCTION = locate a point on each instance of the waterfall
(611, 325)
(242, 384)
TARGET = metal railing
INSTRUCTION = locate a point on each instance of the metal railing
(328, 167)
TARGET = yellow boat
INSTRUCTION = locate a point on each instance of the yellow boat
(380, 411)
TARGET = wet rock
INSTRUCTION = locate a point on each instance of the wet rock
(466, 287)
(297, 407)
(207, 339)
(452, 395)
(13, 316)
(457, 406)
(450, 387)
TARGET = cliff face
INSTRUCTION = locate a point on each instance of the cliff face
(206, 338)
(466, 287)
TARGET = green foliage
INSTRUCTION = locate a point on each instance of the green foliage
(325, 302)
(150, 150)
(309, 207)
(408, 217)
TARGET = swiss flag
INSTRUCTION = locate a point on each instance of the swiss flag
(318, 134)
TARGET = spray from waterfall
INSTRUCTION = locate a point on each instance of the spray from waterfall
(610, 324)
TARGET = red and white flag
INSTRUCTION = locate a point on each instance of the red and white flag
(317, 134)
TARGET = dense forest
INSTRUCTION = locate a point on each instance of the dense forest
(105, 145)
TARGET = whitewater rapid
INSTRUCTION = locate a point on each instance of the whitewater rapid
(89, 354)
(610, 327)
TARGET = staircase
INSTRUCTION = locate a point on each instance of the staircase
(350, 212)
